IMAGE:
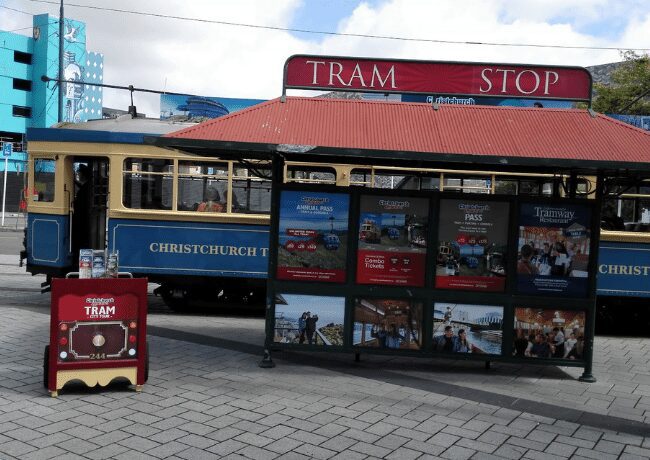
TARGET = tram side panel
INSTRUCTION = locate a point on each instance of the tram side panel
(623, 288)
(191, 254)
(48, 243)
(624, 269)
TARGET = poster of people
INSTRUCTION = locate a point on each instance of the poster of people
(313, 236)
(472, 245)
(309, 320)
(464, 328)
(549, 333)
(392, 240)
(553, 249)
(388, 323)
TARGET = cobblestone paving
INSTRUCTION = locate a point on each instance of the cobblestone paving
(207, 398)
(208, 402)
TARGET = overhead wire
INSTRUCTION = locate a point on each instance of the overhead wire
(341, 34)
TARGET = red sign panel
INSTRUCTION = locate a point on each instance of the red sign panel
(97, 324)
(431, 77)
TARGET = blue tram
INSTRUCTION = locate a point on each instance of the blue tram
(196, 226)
(145, 202)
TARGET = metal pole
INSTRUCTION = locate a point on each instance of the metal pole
(590, 327)
(4, 191)
(61, 32)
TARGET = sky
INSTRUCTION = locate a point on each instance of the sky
(247, 62)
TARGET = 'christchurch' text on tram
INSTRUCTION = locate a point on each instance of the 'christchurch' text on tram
(208, 249)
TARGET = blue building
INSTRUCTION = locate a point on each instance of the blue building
(28, 102)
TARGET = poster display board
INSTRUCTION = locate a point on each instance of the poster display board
(495, 259)
(464, 328)
(388, 324)
(554, 249)
(472, 245)
(548, 333)
(309, 319)
(392, 240)
(313, 236)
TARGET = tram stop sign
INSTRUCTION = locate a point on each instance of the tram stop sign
(7, 149)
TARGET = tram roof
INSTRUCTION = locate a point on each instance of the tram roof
(121, 130)
(302, 127)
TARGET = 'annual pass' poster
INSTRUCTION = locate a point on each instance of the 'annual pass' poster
(553, 249)
(392, 240)
(472, 245)
(313, 236)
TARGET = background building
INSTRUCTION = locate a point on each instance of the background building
(28, 102)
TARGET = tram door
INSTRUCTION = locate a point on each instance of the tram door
(89, 204)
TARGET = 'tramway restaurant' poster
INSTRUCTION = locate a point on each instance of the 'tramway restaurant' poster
(553, 249)
(472, 245)
(313, 236)
(392, 240)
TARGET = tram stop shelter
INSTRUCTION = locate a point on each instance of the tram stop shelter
(404, 270)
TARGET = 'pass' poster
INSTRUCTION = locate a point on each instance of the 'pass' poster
(473, 240)
(392, 240)
(313, 236)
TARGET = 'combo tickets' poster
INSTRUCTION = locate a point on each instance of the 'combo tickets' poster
(472, 245)
(553, 249)
(313, 236)
(392, 240)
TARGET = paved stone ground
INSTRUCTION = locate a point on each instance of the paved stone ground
(207, 398)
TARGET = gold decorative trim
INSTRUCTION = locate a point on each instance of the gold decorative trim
(92, 377)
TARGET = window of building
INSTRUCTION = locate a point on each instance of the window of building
(44, 172)
(23, 58)
(19, 111)
(23, 85)
(147, 183)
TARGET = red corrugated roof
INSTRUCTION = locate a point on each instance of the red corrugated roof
(564, 134)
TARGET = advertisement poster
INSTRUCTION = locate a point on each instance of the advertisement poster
(309, 320)
(473, 240)
(463, 328)
(313, 236)
(392, 240)
(549, 333)
(388, 323)
(553, 249)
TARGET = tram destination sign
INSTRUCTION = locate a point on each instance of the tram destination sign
(437, 77)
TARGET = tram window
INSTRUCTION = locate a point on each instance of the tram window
(361, 177)
(202, 182)
(467, 184)
(302, 173)
(429, 183)
(251, 193)
(44, 171)
(147, 183)
(528, 187)
(392, 181)
(505, 187)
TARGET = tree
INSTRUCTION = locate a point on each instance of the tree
(629, 92)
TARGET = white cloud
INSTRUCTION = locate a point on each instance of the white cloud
(229, 61)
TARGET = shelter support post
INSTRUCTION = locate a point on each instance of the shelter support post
(277, 177)
(590, 327)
